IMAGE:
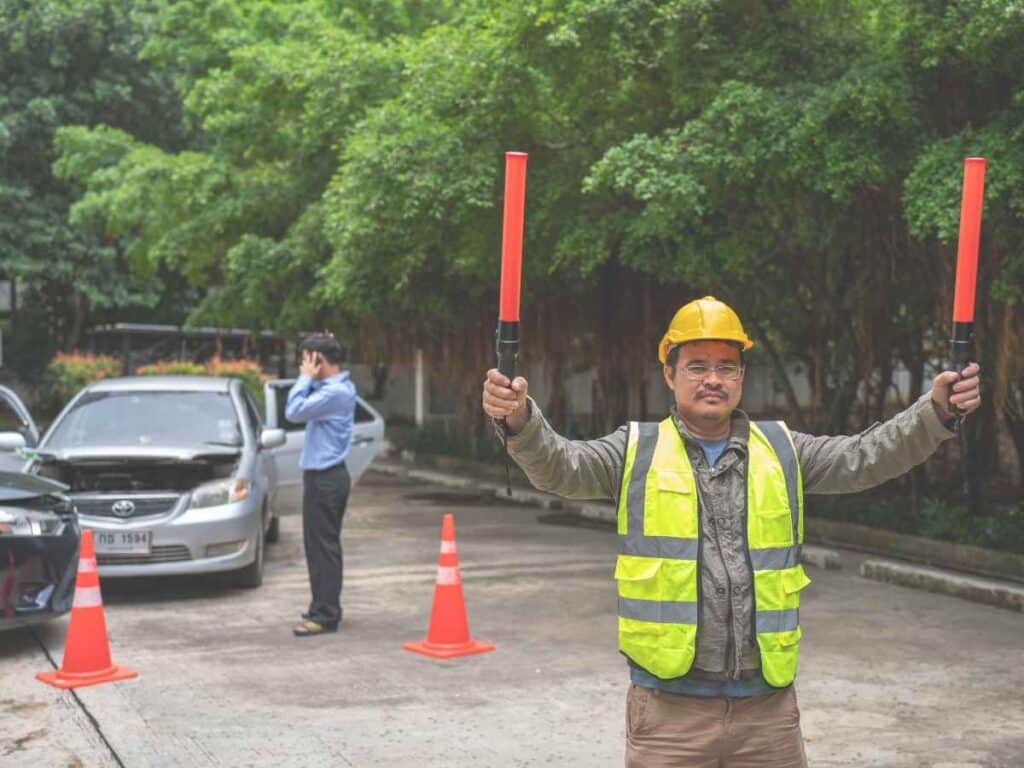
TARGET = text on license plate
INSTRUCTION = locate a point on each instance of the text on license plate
(126, 542)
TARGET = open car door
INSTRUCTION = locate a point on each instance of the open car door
(367, 436)
(15, 418)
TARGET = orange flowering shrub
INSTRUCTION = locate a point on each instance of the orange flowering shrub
(171, 368)
(248, 371)
(69, 372)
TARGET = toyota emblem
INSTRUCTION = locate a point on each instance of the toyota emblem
(123, 508)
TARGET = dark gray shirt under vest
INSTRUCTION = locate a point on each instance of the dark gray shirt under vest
(727, 660)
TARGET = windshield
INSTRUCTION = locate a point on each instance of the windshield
(148, 419)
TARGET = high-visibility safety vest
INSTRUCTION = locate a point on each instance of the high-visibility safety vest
(658, 567)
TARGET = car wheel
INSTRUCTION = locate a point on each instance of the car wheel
(251, 576)
(274, 530)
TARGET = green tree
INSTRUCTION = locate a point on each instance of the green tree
(273, 88)
(799, 159)
(70, 62)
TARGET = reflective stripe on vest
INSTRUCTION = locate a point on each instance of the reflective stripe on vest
(659, 545)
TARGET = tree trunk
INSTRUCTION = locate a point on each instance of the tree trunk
(613, 348)
(918, 478)
(884, 384)
(1015, 427)
(79, 312)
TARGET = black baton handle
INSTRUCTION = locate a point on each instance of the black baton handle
(507, 348)
(961, 350)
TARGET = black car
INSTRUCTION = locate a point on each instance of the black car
(39, 537)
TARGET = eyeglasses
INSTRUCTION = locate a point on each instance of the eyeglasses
(700, 371)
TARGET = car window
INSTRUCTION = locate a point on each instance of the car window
(281, 401)
(141, 419)
(362, 414)
(10, 421)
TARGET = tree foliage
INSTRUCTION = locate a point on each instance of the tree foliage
(798, 158)
(73, 62)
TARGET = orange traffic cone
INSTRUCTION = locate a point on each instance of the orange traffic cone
(86, 651)
(448, 635)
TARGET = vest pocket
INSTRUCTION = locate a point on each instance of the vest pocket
(655, 578)
(774, 528)
(651, 630)
(794, 579)
(638, 576)
(672, 510)
(664, 650)
(780, 652)
(779, 590)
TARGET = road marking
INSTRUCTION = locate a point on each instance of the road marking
(412, 574)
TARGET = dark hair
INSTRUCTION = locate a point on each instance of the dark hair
(672, 358)
(326, 345)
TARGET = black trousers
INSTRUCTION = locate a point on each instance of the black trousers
(324, 496)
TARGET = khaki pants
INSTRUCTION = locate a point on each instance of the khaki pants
(667, 730)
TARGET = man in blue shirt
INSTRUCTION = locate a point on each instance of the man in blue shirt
(324, 397)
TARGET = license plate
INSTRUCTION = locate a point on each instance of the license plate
(123, 542)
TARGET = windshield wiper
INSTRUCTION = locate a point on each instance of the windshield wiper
(228, 443)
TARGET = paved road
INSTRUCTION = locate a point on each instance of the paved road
(889, 676)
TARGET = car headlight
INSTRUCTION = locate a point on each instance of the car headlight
(219, 493)
(29, 522)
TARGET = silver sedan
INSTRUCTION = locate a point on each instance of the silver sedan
(173, 475)
(181, 474)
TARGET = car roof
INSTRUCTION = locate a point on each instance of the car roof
(162, 384)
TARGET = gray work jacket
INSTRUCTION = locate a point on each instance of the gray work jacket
(592, 469)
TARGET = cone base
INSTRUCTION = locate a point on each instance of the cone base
(65, 681)
(448, 651)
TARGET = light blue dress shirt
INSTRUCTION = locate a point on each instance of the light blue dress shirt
(328, 409)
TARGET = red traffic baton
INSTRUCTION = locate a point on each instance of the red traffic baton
(507, 335)
(962, 343)
(511, 263)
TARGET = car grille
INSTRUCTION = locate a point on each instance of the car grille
(145, 506)
(170, 554)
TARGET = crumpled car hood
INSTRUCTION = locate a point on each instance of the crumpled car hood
(19, 486)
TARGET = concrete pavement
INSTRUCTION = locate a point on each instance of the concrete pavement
(889, 676)
(1002, 593)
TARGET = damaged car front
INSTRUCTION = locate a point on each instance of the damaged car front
(39, 537)
(171, 474)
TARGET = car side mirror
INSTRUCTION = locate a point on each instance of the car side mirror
(12, 442)
(272, 438)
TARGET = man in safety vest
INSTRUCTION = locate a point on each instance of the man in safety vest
(710, 524)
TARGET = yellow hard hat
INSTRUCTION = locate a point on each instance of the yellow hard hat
(706, 319)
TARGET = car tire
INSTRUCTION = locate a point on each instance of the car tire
(274, 530)
(251, 576)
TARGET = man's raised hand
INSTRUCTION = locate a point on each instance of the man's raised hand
(961, 390)
(502, 400)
